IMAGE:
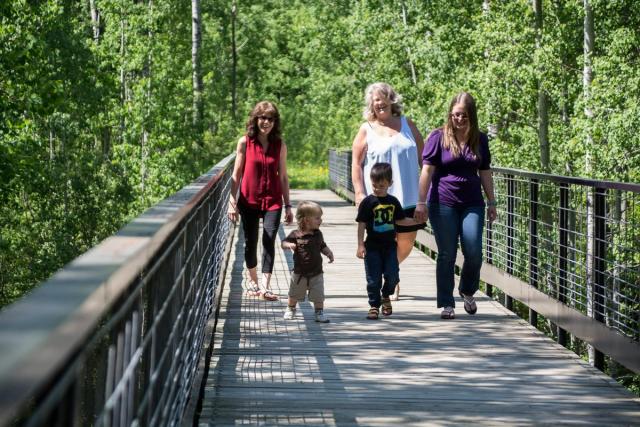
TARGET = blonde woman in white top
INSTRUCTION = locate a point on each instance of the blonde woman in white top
(389, 137)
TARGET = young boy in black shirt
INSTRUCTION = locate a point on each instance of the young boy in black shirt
(379, 213)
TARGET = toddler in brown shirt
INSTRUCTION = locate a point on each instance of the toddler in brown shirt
(307, 243)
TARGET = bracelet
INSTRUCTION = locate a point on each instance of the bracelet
(287, 206)
(492, 203)
(421, 203)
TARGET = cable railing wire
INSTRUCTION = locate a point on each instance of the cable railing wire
(150, 291)
(574, 240)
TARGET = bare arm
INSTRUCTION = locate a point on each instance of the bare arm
(327, 252)
(426, 176)
(284, 184)
(236, 176)
(486, 179)
(361, 251)
(358, 153)
(417, 136)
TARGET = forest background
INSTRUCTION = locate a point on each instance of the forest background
(108, 106)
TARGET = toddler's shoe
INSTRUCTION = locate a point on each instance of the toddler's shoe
(320, 317)
(289, 313)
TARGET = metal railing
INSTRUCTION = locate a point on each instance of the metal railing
(115, 338)
(568, 248)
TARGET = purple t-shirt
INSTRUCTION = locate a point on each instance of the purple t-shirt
(455, 181)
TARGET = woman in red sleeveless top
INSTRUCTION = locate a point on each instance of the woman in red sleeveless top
(259, 190)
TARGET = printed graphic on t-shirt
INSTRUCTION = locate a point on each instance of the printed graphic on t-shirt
(383, 218)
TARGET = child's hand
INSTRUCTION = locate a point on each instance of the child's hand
(289, 245)
(361, 251)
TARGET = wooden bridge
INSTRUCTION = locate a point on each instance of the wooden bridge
(411, 369)
(153, 327)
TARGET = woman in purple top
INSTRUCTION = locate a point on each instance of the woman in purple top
(456, 166)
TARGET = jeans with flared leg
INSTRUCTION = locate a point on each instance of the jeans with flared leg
(451, 225)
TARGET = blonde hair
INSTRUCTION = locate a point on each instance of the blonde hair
(305, 209)
(386, 91)
(449, 141)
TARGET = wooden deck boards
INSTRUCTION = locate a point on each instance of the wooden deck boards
(411, 369)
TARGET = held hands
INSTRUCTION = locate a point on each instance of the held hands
(359, 198)
(361, 251)
(420, 214)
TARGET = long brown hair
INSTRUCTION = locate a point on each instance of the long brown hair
(264, 108)
(449, 141)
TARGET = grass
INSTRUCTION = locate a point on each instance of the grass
(304, 176)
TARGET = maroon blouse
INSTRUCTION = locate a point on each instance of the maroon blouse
(261, 188)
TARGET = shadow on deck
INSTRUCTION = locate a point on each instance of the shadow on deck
(407, 370)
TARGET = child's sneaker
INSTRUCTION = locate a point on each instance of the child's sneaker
(289, 313)
(320, 317)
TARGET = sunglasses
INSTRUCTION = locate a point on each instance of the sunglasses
(460, 115)
(267, 119)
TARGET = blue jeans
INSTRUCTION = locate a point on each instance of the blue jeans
(378, 264)
(450, 224)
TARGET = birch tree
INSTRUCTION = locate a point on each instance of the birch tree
(543, 115)
(196, 40)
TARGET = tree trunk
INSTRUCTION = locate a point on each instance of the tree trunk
(543, 114)
(411, 66)
(123, 82)
(95, 20)
(588, 112)
(234, 59)
(144, 141)
(196, 40)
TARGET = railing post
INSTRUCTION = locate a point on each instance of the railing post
(511, 211)
(489, 251)
(563, 224)
(533, 243)
(599, 264)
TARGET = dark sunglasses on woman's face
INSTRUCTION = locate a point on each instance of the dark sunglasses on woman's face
(266, 119)
(459, 115)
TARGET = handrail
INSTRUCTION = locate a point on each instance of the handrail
(115, 336)
(565, 247)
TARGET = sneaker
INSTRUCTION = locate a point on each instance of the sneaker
(289, 313)
(469, 303)
(448, 313)
(320, 317)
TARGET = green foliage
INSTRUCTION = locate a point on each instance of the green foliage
(309, 176)
(94, 131)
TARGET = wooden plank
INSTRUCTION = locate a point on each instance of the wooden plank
(410, 369)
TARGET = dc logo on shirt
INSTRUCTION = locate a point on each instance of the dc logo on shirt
(383, 218)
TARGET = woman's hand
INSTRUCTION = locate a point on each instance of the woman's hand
(359, 198)
(492, 213)
(420, 214)
(288, 215)
(232, 212)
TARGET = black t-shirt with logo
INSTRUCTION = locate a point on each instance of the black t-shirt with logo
(380, 215)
